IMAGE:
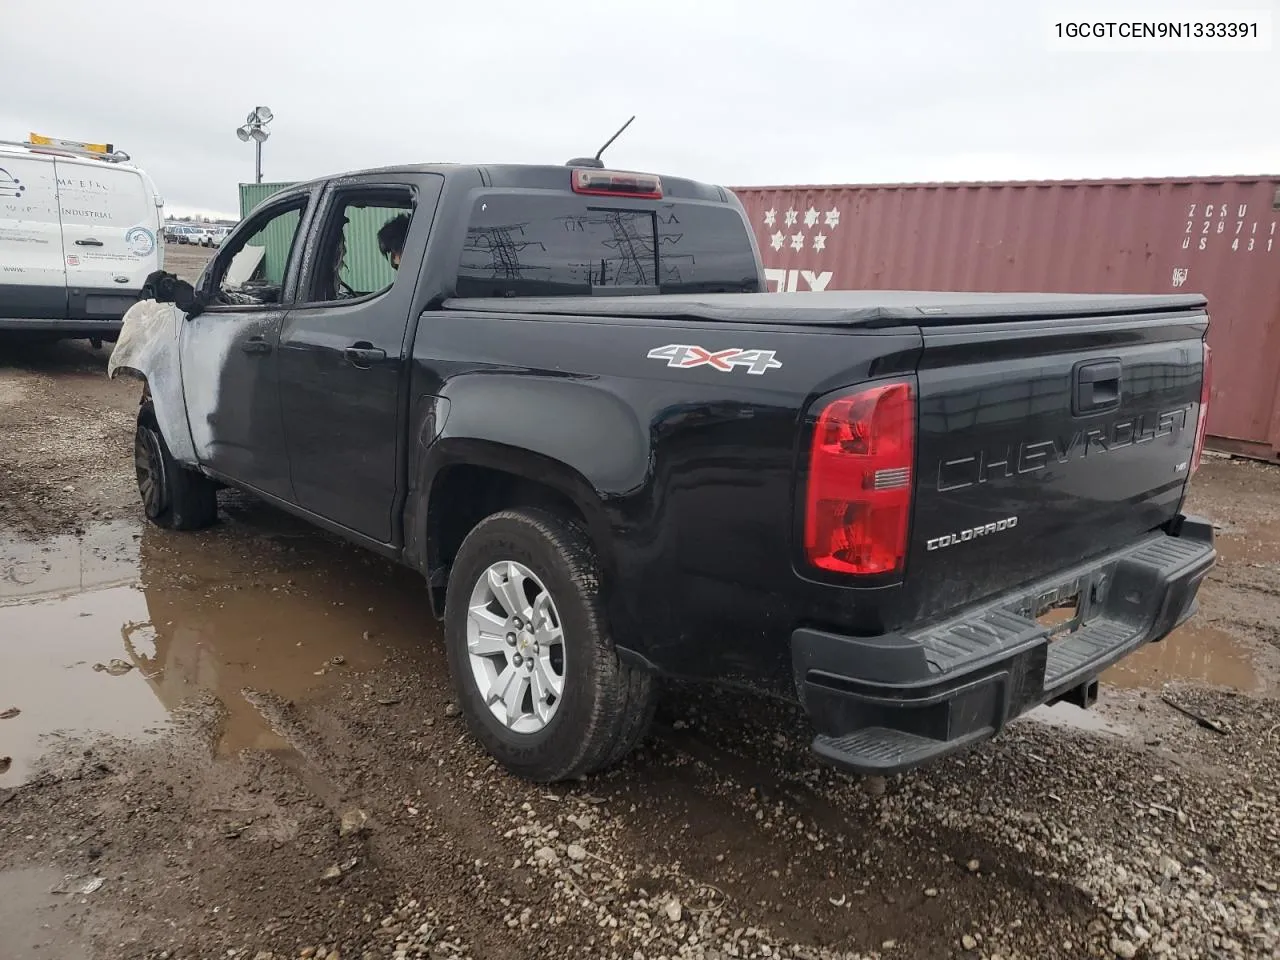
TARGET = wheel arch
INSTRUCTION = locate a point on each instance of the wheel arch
(147, 350)
(467, 480)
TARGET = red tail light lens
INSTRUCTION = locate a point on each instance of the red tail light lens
(1206, 380)
(858, 501)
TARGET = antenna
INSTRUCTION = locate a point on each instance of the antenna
(595, 161)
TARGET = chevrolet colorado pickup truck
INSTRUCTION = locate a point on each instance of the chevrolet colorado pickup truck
(566, 397)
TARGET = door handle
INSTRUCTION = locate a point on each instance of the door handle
(89, 243)
(1097, 387)
(256, 345)
(362, 353)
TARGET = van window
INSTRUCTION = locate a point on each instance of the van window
(558, 245)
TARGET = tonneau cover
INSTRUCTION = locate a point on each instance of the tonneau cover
(864, 308)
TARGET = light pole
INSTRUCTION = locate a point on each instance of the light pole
(255, 129)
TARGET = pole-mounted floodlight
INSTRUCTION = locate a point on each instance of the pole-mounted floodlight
(254, 128)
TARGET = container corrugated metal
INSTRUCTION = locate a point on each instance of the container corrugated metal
(252, 194)
(279, 235)
(1219, 236)
(366, 269)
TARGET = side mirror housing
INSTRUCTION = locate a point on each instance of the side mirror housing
(164, 287)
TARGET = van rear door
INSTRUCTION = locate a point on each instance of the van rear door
(33, 278)
(109, 228)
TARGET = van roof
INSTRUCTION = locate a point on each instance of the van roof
(21, 151)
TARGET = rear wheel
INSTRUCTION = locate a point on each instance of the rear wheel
(535, 670)
(173, 496)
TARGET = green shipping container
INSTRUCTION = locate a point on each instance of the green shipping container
(279, 234)
(366, 269)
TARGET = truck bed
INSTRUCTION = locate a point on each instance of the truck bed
(845, 308)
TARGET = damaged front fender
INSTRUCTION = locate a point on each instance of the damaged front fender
(147, 349)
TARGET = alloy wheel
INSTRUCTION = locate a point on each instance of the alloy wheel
(515, 644)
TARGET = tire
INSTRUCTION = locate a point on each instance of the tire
(173, 496)
(605, 706)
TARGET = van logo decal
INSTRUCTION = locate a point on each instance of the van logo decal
(685, 356)
(140, 241)
(10, 186)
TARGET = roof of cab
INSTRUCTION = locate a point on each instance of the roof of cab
(529, 176)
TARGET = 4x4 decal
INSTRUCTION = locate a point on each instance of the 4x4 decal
(685, 356)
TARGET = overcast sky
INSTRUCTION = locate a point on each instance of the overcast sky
(752, 92)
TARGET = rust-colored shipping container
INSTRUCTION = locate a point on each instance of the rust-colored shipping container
(1219, 236)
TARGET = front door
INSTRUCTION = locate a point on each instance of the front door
(229, 360)
(343, 351)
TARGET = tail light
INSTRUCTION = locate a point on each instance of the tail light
(1206, 378)
(858, 501)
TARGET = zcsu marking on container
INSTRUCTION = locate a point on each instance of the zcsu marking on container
(1219, 236)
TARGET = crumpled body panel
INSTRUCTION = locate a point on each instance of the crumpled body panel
(148, 349)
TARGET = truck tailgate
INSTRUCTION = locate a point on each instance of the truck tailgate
(1045, 442)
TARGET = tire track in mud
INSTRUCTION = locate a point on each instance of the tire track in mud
(699, 805)
(837, 873)
(421, 835)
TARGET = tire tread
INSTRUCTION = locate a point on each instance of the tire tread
(621, 697)
(193, 497)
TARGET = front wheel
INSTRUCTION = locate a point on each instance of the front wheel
(537, 676)
(173, 496)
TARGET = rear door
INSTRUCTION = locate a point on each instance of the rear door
(1043, 443)
(344, 349)
(110, 223)
(33, 279)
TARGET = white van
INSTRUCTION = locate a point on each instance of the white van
(80, 231)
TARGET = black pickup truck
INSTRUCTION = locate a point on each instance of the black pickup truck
(562, 394)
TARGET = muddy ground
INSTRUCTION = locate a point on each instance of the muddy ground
(241, 743)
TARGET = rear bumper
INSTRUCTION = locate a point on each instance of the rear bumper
(885, 704)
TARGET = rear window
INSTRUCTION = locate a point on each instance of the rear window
(525, 245)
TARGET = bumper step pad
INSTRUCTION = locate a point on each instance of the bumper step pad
(886, 704)
(879, 750)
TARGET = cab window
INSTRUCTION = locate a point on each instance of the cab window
(519, 244)
(361, 244)
(251, 271)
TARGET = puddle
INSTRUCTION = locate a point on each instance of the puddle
(31, 916)
(107, 554)
(1253, 545)
(1196, 652)
(49, 649)
(259, 604)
